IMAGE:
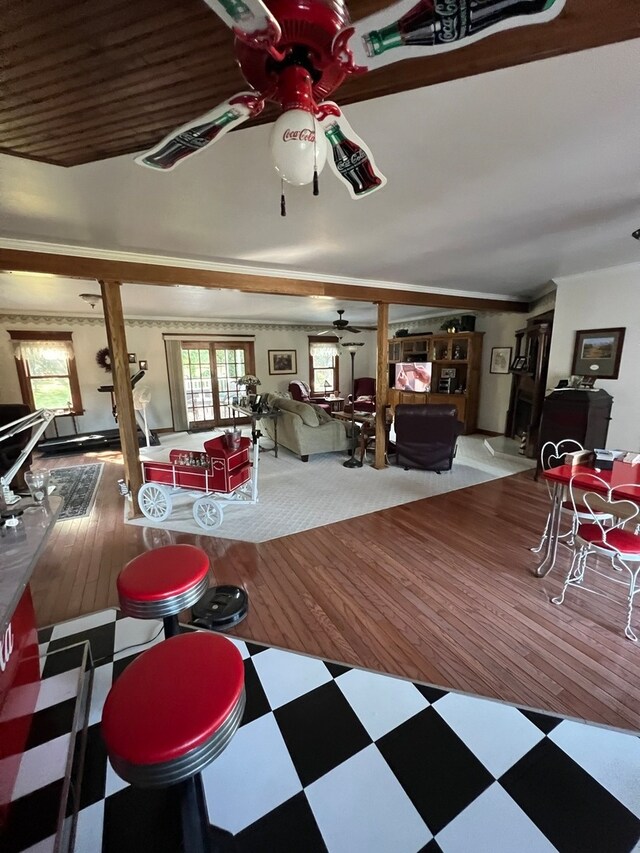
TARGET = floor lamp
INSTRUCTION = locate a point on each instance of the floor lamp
(352, 347)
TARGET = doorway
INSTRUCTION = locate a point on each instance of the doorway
(210, 370)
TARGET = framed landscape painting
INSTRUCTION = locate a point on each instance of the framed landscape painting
(597, 352)
(282, 361)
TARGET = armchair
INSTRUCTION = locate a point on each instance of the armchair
(364, 394)
(300, 391)
(426, 436)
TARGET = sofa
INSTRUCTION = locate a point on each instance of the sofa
(304, 428)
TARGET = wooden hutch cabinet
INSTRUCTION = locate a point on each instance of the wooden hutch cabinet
(455, 363)
(528, 382)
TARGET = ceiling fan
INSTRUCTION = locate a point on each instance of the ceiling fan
(296, 53)
(340, 325)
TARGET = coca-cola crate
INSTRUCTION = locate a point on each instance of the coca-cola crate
(232, 458)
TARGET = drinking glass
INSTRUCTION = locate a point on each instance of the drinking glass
(38, 483)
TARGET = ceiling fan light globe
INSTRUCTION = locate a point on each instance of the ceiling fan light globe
(297, 145)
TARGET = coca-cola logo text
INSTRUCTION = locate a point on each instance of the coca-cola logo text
(304, 135)
(452, 14)
(351, 162)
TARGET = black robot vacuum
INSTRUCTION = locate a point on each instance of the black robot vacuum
(220, 608)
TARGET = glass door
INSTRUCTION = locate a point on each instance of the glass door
(198, 384)
(210, 372)
(232, 361)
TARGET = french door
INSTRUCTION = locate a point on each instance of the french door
(210, 371)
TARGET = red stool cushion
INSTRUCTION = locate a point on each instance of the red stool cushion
(172, 698)
(163, 572)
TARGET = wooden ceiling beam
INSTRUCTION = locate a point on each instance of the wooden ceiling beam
(72, 266)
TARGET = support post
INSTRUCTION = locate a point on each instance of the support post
(116, 339)
(382, 384)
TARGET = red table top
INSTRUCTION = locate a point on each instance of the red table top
(623, 478)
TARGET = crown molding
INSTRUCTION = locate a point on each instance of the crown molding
(182, 325)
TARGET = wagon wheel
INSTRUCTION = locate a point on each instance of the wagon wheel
(207, 513)
(155, 501)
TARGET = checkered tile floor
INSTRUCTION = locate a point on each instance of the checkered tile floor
(334, 758)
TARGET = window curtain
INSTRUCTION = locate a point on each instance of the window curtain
(176, 385)
(32, 349)
(323, 353)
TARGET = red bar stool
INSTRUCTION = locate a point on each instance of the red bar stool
(171, 712)
(159, 584)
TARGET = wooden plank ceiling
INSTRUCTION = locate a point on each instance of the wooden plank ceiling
(85, 81)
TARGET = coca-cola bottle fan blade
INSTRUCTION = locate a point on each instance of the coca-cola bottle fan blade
(407, 30)
(350, 159)
(250, 21)
(198, 134)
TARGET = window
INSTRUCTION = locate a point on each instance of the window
(47, 370)
(324, 365)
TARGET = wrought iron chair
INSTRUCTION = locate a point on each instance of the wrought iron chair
(552, 455)
(619, 545)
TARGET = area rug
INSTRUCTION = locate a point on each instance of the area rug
(296, 496)
(77, 484)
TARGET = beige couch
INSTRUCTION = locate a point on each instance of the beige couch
(304, 428)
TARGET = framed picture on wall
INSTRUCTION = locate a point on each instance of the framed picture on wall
(500, 360)
(282, 361)
(132, 358)
(597, 352)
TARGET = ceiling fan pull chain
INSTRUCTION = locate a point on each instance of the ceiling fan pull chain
(316, 187)
(283, 201)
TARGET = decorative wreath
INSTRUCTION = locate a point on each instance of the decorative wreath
(103, 358)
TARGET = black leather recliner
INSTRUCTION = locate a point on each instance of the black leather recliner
(426, 435)
(12, 447)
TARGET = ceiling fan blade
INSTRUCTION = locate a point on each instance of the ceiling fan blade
(409, 29)
(201, 132)
(353, 329)
(250, 21)
(350, 158)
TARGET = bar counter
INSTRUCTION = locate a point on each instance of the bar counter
(20, 548)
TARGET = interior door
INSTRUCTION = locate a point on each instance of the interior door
(210, 372)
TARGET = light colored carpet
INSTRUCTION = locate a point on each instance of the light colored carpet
(296, 496)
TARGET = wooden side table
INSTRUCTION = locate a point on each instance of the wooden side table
(336, 403)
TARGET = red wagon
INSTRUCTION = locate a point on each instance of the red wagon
(221, 475)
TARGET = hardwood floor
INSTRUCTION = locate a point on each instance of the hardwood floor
(439, 590)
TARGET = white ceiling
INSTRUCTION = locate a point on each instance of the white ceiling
(22, 292)
(497, 184)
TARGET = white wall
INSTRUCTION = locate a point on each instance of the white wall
(600, 300)
(144, 338)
